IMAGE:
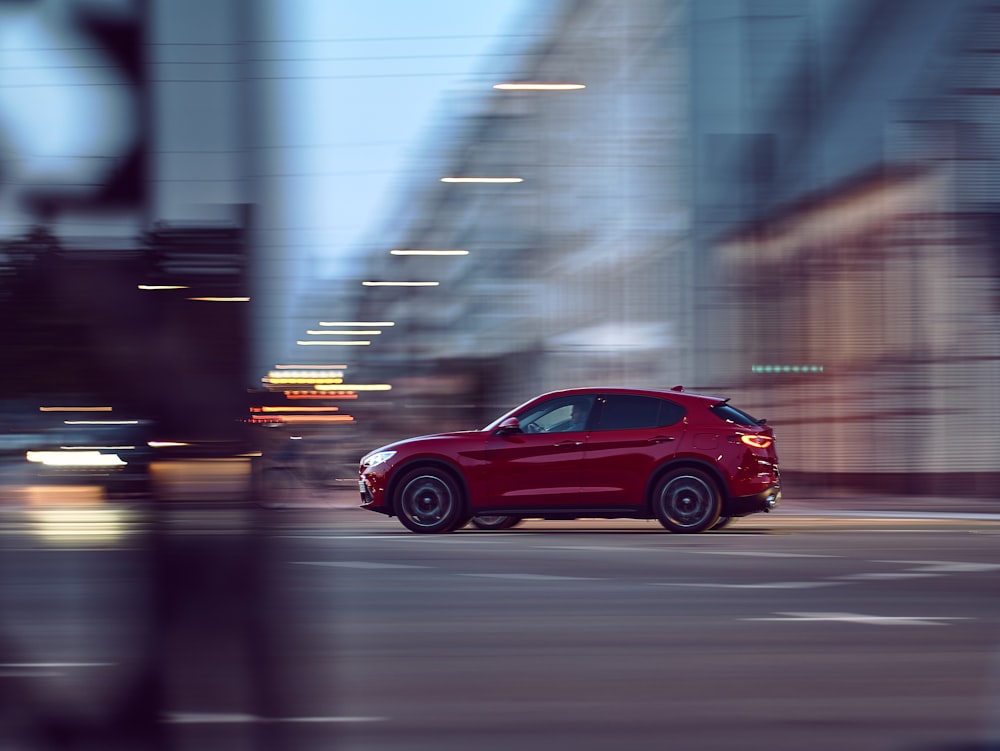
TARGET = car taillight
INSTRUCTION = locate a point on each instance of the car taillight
(757, 441)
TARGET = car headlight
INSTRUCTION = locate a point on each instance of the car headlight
(377, 458)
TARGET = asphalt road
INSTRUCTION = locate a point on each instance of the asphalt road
(223, 627)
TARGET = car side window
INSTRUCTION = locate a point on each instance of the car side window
(633, 412)
(562, 415)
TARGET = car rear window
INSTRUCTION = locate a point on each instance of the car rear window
(729, 413)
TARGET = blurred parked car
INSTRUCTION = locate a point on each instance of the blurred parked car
(693, 462)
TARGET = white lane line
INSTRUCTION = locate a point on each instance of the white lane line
(535, 577)
(884, 576)
(603, 548)
(862, 618)
(222, 718)
(357, 564)
(761, 554)
(948, 567)
(758, 585)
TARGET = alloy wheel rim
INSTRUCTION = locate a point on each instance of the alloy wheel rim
(426, 500)
(687, 500)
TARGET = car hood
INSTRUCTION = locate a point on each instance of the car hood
(429, 438)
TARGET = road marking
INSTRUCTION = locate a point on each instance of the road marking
(535, 577)
(604, 548)
(357, 564)
(759, 585)
(884, 576)
(949, 567)
(755, 554)
(870, 620)
(222, 718)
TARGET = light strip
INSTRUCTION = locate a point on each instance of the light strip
(359, 343)
(74, 459)
(538, 86)
(429, 252)
(355, 323)
(156, 287)
(311, 367)
(299, 409)
(482, 179)
(355, 387)
(220, 299)
(332, 332)
(100, 422)
(400, 284)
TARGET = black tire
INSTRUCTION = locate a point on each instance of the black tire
(495, 521)
(687, 501)
(723, 522)
(429, 500)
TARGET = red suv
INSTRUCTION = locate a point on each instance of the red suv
(692, 462)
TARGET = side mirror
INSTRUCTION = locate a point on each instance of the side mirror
(508, 426)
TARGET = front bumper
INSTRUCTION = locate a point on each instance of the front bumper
(373, 496)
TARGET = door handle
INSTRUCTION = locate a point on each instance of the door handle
(663, 439)
(569, 443)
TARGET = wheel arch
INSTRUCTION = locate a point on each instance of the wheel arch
(435, 462)
(685, 462)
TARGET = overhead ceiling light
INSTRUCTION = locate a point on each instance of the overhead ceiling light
(356, 387)
(400, 284)
(429, 252)
(220, 299)
(342, 332)
(355, 323)
(325, 343)
(538, 86)
(148, 287)
(482, 179)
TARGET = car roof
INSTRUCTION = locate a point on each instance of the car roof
(675, 393)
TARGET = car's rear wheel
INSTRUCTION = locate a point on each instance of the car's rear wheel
(687, 501)
(429, 500)
(495, 521)
(723, 522)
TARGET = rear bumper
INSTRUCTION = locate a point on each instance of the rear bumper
(764, 501)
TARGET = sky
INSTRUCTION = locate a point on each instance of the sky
(363, 87)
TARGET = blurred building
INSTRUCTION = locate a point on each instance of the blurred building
(578, 273)
(793, 204)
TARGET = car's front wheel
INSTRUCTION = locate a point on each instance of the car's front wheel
(429, 500)
(496, 521)
(687, 500)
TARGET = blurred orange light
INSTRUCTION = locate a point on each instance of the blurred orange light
(300, 409)
(317, 395)
(75, 409)
(314, 419)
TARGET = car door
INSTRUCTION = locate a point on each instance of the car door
(631, 434)
(538, 467)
